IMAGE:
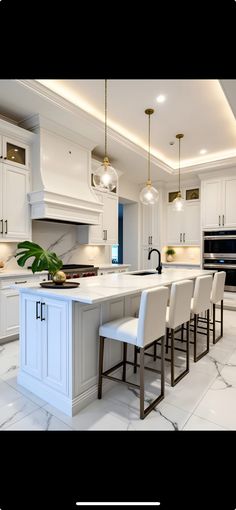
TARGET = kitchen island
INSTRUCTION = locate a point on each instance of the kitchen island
(59, 332)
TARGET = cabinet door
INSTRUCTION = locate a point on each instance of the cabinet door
(146, 224)
(211, 204)
(1, 203)
(15, 153)
(15, 205)
(30, 336)
(145, 263)
(110, 218)
(54, 324)
(191, 233)
(228, 202)
(175, 226)
(9, 312)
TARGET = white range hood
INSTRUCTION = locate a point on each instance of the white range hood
(61, 175)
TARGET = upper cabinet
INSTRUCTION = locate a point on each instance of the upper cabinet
(14, 208)
(15, 144)
(183, 228)
(218, 202)
(106, 232)
(14, 152)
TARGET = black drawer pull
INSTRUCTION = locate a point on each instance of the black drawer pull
(37, 310)
(18, 283)
(41, 309)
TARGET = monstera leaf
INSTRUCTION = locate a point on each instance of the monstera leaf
(43, 259)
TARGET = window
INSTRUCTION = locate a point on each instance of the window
(192, 194)
(114, 254)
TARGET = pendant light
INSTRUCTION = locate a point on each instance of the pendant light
(149, 195)
(105, 176)
(178, 202)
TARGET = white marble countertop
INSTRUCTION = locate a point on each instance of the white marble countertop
(110, 266)
(106, 287)
(9, 273)
(181, 264)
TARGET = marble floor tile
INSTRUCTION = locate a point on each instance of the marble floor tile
(189, 391)
(197, 423)
(164, 417)
(99, 415)
(39, 420)
(219, 405)
(14, 411)
(12, 382)
(7, 394)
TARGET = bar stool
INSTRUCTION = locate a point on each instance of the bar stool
(141, 332)
(217, 294)
(178, 313)
(201, 303)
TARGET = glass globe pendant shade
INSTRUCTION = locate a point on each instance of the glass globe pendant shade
(178, 203)
(105, 176)
(149, 195)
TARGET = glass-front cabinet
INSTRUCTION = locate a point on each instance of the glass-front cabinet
(14, 152)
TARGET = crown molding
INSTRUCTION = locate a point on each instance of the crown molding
(211, 165)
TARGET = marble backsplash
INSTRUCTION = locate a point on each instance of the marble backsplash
(62, 239)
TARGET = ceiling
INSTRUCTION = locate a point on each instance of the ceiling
(201, 109)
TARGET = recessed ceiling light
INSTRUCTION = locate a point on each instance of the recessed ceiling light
(203, 151)
(161, 98)
(15, 150)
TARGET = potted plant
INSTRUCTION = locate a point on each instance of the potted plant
(43, 260)
(170, 252)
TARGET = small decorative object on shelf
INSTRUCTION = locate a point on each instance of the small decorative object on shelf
(170, 252)
(44, 260)
(192, 194)
(1, 264)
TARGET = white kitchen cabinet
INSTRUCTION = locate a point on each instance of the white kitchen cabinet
(14, 208)
(183, 228)
(14, 152)
(150, 234)
(44, 345)
(9, 304)
(106, 233)
(218, 202)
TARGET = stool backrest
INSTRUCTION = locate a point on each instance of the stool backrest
(152, 315)
(202, 294)
(180, 303)
(217, 293)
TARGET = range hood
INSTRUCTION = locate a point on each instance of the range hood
(61, 175)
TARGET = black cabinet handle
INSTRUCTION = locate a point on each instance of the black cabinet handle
(223, 220)
(5, 157)
(18, 283)
(37, 316)
(2, 226)
(181, 237)
(219, 221)
(6, 227)
(184, 237)
(0, 157)
(41, 312)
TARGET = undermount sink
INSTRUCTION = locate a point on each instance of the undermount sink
(144, 273)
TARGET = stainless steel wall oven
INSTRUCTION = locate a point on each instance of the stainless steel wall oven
(219, 252)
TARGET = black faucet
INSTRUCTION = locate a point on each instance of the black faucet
(159, 267)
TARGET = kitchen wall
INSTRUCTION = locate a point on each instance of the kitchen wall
(62, 239)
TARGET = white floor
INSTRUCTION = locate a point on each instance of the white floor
(204, 400)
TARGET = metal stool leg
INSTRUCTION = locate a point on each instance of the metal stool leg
(221, 317)
(155, 352)
(124, 361)
(142, 415)
(135, 359)
(101, 352)
(167, 339)
(214, 323)
(172, 357)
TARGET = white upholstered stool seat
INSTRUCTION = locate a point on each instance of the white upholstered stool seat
(124, 330)
(142, 332)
